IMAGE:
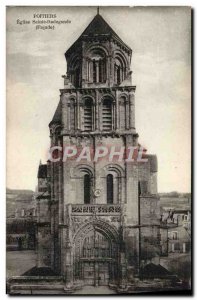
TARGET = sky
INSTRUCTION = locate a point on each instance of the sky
(160, 38)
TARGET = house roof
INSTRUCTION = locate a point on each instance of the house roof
(57, 115)
(155, 271)
(99, 27)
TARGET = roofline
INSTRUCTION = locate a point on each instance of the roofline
(54, 122)
(110, 35)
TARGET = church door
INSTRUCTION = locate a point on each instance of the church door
(95, 259)
(96, 264)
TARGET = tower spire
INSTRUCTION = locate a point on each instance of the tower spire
(97, 10)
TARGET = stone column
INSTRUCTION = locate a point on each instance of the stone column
(60, 196)
(128, 115)
(100, 115)
(117, 112)
(108, 70)
(81, 115)
(97, 71)
(68, 116)
(113, 115)
(90, 71)
(68, 266)
(96, 110)
(131, 110)
(74, 114)
(64, 112)
(84, 71)
(77, 113)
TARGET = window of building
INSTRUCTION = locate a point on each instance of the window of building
(94, 71)
(175, 235)
(176, 246)
(97, 66)
(107, 115)
(110, 189)
(118, 75)
(185, 217)
(119, 70)
(99, 71)
(88, 115)
(75, 72)
(77, 77)
(87, 189)
(102, 70)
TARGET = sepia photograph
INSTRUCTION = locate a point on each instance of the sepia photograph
(98, 134)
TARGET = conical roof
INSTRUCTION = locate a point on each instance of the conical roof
(99, 27)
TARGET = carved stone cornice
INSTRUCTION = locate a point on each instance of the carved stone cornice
(89, 90)
(114, 133)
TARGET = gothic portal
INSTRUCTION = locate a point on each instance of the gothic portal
(98, 222)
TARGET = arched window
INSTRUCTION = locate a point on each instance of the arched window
(57, 133)
(110, 189)
(75, 72)
(119, 70)
(87, 188)
(88, 115)
(107, 115)
(77, 77)
(97, 66)
(102, 70)
(94, 71)
(118, 75)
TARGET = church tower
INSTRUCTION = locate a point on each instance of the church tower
(98, 221)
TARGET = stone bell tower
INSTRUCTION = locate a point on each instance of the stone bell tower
(98, 221)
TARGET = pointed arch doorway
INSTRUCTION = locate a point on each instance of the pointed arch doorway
(95, 256)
